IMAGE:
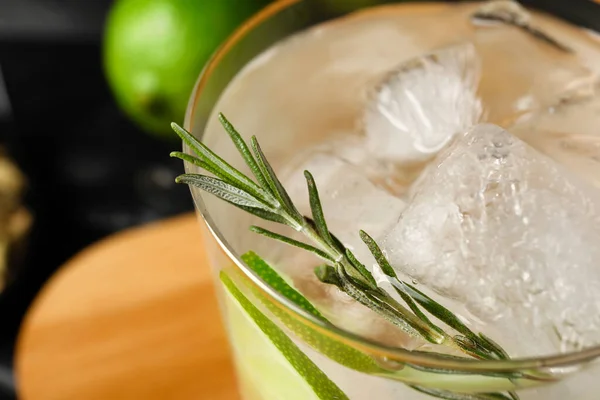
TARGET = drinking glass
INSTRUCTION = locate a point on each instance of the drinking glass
(283, 352)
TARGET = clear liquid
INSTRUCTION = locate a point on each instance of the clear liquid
(310, 92)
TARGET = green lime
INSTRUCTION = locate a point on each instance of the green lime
(334, 349)
(269, 364)
(154, 50)
(269, 275)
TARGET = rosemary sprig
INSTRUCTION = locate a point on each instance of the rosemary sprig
(268, 199)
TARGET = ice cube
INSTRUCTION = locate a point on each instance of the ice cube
(351, 201)
(568, 133)
(525, 67)
(338, 307)
(505, 11)
(417, 109)
(510, 234)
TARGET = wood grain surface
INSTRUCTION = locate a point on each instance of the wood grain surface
(132, 317)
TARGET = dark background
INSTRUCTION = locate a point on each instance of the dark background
(90, 171)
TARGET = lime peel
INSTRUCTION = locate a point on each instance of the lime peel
(333, 349)
(323, 387)
(269, 275)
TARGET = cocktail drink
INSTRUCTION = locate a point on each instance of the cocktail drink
(445, 242)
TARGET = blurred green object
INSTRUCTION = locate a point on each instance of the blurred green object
(153, 51)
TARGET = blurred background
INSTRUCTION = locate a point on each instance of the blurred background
(87, 91)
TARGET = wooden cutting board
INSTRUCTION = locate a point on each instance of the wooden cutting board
(131, 317)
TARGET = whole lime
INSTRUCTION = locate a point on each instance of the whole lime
(153, 51)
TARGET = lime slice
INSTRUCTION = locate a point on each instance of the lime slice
(270, 276)
(435, 381)
(334, 349)
(268, 359)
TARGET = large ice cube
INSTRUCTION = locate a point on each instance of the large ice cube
(417, 109)
(569, 133)
(509, 233)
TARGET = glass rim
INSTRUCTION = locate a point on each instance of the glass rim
(368, 345)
